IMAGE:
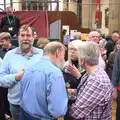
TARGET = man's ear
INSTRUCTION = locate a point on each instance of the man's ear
(82, 61)
(57, 52)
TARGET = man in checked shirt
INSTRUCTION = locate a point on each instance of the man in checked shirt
(94, 92)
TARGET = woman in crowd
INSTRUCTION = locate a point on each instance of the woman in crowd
(71, 70)
(111, 59)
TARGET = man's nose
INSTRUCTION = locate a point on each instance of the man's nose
(25, 37)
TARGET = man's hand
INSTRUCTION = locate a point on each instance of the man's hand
(71, 91)
(72, 94)
(115, 94)
(74, 71)
(19, 74)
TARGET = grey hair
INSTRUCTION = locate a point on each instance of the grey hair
(90, 52)
(52, 47)
(77, 36)
(93, 32)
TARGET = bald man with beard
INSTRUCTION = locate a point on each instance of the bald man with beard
(43, 89)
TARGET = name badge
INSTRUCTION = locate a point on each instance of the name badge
(10, 28)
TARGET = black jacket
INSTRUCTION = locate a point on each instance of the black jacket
(109, 47)
(3, 51)
(11, 24)
(70, 79)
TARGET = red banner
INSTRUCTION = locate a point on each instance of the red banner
(37, 19)
(97, 1)
(97, 13)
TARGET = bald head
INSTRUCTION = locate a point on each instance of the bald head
(56, 52)
(93, 36)
(52, 47)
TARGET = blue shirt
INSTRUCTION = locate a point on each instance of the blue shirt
(43, 92)
(12, 63)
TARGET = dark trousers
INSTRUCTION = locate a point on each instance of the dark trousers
(6, 103)
(118, 107)
(4, 100)
(2, 110)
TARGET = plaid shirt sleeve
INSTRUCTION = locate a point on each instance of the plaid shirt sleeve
(87, 99)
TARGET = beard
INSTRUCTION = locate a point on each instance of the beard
(25, 45)
(60, 63)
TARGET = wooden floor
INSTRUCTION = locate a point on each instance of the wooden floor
(113, 111)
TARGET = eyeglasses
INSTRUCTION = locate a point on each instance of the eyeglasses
(72, 49)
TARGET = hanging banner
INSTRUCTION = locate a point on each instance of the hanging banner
(97, 13)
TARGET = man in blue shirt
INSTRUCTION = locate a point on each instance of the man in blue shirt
(5, 40)
(43, 90)
(13, 66)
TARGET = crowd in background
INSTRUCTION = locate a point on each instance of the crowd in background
(37, 83)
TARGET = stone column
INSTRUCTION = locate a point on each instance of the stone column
(114, 18)
(16, 4)
(60, 5)
(103, 7)
(2, 5)
(73, 6)
(88, 13)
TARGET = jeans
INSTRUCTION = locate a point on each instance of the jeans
(15, 111)
(26, 116)
(118, 107)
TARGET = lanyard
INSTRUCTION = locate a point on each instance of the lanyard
(10, 22)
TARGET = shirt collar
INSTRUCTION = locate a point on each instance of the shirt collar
(47, 58)
(92, 72)
(34, 51)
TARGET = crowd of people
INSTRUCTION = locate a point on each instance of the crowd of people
(37, 83)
